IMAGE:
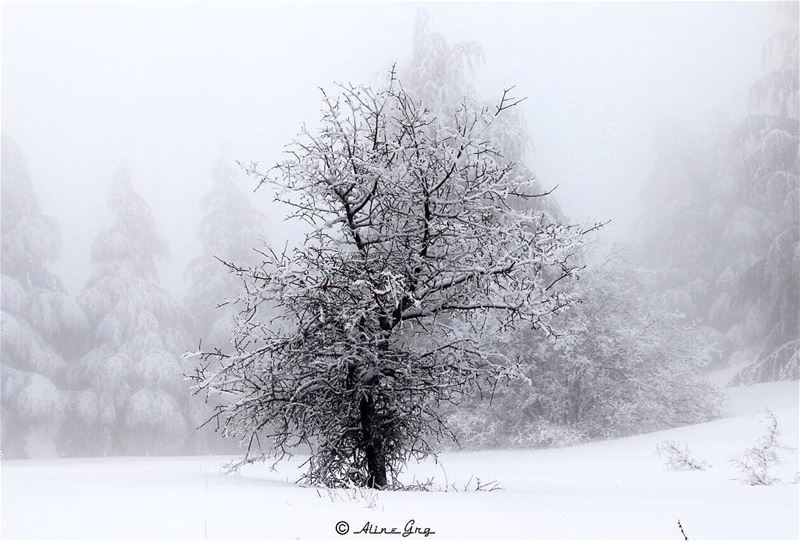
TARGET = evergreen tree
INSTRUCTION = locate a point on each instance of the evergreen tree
(439, 74)
(135, 398)
(37, 319)
(769, 179)
(683, 230)
(722, 226)
(231, 230)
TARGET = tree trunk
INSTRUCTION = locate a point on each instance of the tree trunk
(373, 443)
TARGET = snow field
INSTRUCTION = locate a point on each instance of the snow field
(616, 489)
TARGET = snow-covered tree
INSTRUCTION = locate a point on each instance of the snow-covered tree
(38, 318)
(413, 250)
(438, 71)
(439, 74)
(621, 363)
(231, 230)
(688, 238)
(769, 179)
(723, 225)
(133, 393)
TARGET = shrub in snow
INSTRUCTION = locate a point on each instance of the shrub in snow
(481, 424)
(755, 462)
(678, 457)
(619, 365)
(369, 498)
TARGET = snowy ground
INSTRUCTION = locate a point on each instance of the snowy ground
(615, 489)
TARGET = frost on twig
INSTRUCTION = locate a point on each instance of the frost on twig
(683, 533)
(368, 497)
(678, 457)
(473, 484)
(756, 461)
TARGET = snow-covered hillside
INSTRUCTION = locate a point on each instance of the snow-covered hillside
(613, 490)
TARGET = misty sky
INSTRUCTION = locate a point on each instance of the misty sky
(161, 85)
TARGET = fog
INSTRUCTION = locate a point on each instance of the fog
(163, 85)
(555, 246)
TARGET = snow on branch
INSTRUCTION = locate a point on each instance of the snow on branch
(414, 248)
(756, 461)
(678, 457)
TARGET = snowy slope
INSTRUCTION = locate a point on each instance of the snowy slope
(613, 490)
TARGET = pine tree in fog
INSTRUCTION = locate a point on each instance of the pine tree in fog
(38, 319)
(132, 376)
(413, 250)
(769, 179)
(231, 230)
(723, 226)
(439, 73)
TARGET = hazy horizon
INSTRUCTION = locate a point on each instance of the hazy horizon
(87, 86)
